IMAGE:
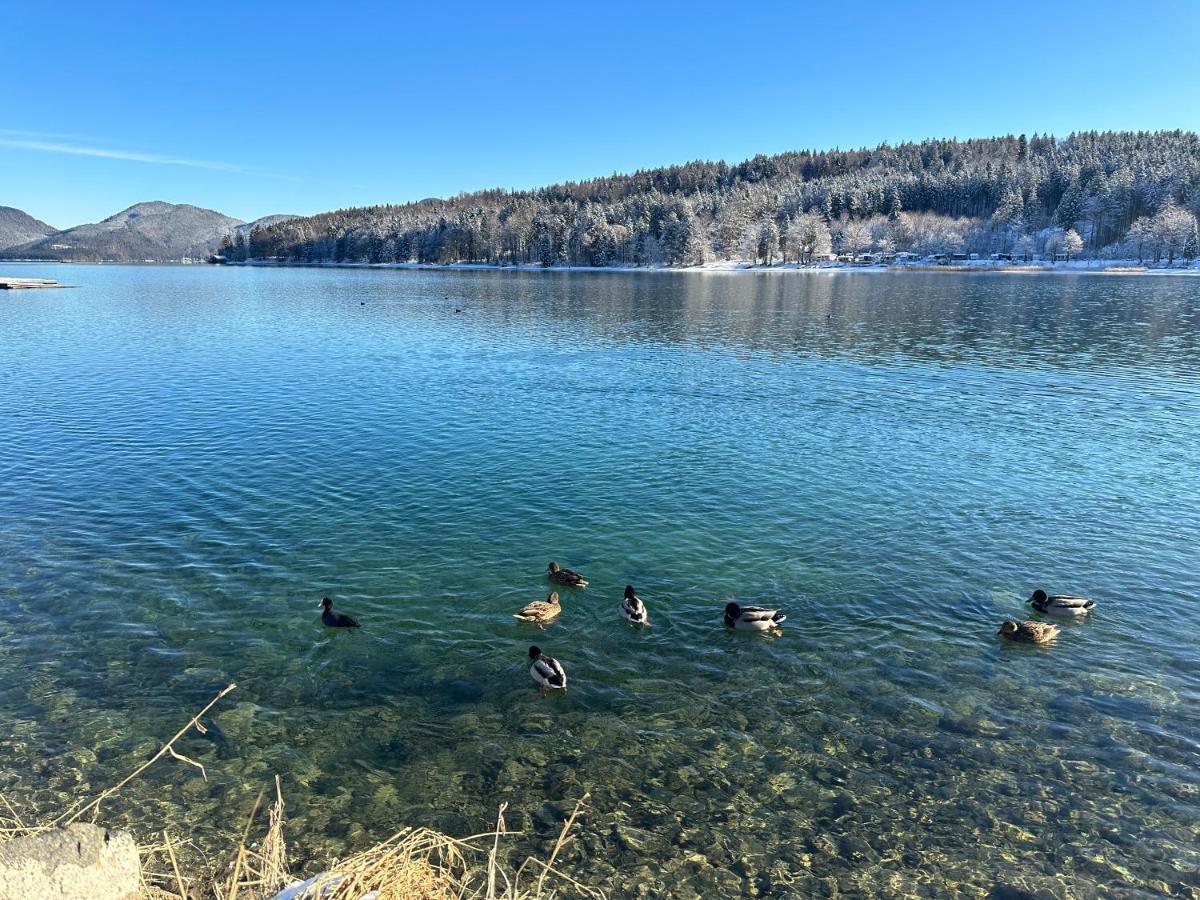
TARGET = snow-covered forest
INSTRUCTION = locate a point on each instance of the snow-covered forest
(1103, 194)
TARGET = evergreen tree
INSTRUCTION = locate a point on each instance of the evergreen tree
(768, 242)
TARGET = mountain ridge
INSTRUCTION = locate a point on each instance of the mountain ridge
(18, 227)
(153, 230)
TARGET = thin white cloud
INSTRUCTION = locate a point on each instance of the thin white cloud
(30, 141)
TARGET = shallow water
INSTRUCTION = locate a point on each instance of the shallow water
(192, 457)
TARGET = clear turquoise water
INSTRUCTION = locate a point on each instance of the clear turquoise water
(191, 458)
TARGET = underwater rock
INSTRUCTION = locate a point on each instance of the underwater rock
(460, 691)
(534, 756)
(549, 816)
(856, 850)
(1011, 892)
(514, 772)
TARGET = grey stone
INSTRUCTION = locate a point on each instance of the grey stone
(79, 862)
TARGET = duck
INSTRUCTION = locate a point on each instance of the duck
(1029, 632)
(633, 609)
(336, 619)
(547, 672)
(569, 577)
(1060, 604)
(540, 612)
(753, 618)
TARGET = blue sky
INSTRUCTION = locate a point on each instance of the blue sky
(254, 108)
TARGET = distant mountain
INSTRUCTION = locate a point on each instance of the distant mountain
(17, 227)
(156, 232)
(264, 222)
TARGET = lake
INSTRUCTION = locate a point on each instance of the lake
(192, 457)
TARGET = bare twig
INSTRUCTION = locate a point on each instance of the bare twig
(15, 815)
(183, 892)
(240, 859)
(491, 888)
(562, 839)
(94, 806)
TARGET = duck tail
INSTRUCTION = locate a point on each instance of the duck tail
(779, 618)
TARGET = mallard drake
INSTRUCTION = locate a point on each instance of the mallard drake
(633, 609)
(1029, 632)
(1061, 604)
(753, 618)
(569, 577)
(336, 619)
(540, 612)
(547, 672)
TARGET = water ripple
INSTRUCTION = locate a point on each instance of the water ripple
(192, 458)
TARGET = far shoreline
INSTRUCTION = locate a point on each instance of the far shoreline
(972, 267)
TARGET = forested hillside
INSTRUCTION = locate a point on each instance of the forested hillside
(1113, 194)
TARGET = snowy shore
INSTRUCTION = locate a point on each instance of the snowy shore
(1084, 266)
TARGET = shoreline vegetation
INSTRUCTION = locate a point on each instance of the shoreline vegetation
(1089, 266)
(1032, 267)
(413, 863)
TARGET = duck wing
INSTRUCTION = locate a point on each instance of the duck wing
(761, 614)
(634, 610)
(537, 611)
(1066, 601)
(1038, 632)
(549, 671)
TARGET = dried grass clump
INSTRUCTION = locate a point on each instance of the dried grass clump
(417, 864)
(413, 864)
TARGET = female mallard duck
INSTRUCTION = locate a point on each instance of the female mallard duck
(753, 618)
(540, 612)
(336, 619)
(1029, 632)
(1061, 604)
(633, 609)
(569, 577)
(547, 672)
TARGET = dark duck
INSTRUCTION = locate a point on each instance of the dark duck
(336, 619)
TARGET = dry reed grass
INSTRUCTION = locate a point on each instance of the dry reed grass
(413, 864)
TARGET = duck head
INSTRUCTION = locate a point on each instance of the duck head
(732, 610)
(1038, 598)
(534, 652)
(552, 568)
(629, 594)
(326, 603)
(553, 598)
(1008, 628)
